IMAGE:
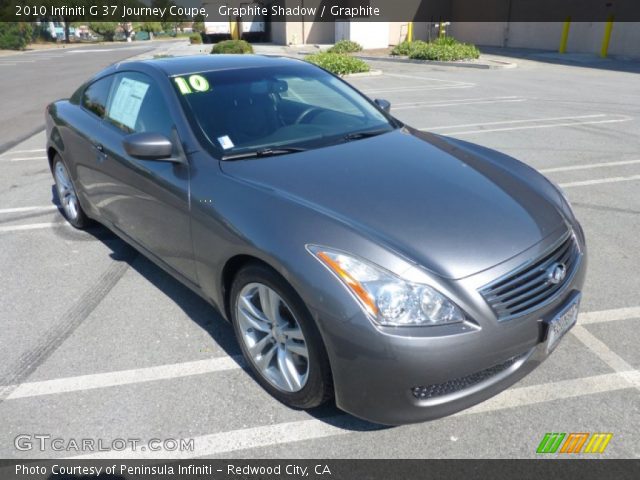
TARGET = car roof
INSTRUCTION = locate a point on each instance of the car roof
(172, 66)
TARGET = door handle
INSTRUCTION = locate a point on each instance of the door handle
(101, 156)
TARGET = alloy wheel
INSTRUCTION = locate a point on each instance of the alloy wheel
(66, 192)
(273, 337)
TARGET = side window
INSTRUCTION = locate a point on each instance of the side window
(94, 97)
(136, 105)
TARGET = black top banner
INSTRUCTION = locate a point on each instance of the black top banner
(322, 10)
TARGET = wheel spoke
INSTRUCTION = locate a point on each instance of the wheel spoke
(257, 348)
(294, 333)
(297, 348)
(264, 360)
(270, 303)
(71, 205)
(253, 317)
(288, 370)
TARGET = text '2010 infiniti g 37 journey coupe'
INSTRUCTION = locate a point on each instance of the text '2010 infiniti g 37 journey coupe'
(406, 274)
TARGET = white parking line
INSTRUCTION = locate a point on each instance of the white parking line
(199, 367)
(28, 209)
(414, 89)
(12, 152)
(427, 79)
(609, 315)
(124, 377)
(608, 356)
(100, 50)
(570, 168)
(505, 122)
(22, 159)
(598, 181)
(529, 127)
(455, 103)
(547, 392)
(31, 226)
(574, 121)
(475, 99)
(269, 435)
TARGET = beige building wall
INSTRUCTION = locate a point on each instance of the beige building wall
(279, 33)
(625, 39)
(299, 33)
(584, 37)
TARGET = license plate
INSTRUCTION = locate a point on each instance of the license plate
(561, 324)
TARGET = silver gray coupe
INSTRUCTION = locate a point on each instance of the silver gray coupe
(405, 274)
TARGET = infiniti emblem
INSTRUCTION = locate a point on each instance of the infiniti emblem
(556, 273)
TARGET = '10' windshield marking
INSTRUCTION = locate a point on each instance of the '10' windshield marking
(196, 82)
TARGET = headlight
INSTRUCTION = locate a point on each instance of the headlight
(386, 298)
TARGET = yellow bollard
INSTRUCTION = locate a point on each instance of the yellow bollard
(410, 32)
(565, 35)
(607, 36)
(235, 34)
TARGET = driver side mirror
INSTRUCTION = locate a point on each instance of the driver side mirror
(149, 146)
(383, 104)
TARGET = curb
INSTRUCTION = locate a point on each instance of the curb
(370, 73)
(494, 65)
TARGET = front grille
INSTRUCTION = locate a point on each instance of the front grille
(528, 287)
(452, 386)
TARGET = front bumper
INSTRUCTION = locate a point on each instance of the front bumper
(376, 371)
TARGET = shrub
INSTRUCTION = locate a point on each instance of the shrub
(338, 63)
(447, 53)
(405, 48)
(445, 41)
(15, 35)
(441, 49)
(345, 46)
(232, 46)
(195, 38)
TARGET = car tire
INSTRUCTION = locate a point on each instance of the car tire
(67, 195)
(275, 362)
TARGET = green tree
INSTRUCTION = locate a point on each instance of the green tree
(169, 24)
(106, 29)
(15, 35)
(198, 23)
(149, 27)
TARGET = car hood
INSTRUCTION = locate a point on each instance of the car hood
(454, 211)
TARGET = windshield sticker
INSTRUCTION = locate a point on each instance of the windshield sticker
(126, 103)
(225, 142)
(196, 83)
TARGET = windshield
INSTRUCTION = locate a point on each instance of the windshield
(276, 109)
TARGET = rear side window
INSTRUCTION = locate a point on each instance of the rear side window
(95, 96)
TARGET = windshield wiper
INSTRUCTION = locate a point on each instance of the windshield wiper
(264, 152)
(365, 134)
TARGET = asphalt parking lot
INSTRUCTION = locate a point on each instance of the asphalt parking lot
(98, 343)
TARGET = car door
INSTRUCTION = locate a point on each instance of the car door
(82, 137)
(149, 199)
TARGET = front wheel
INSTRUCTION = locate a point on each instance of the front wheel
(278, 338)
(67, 195)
